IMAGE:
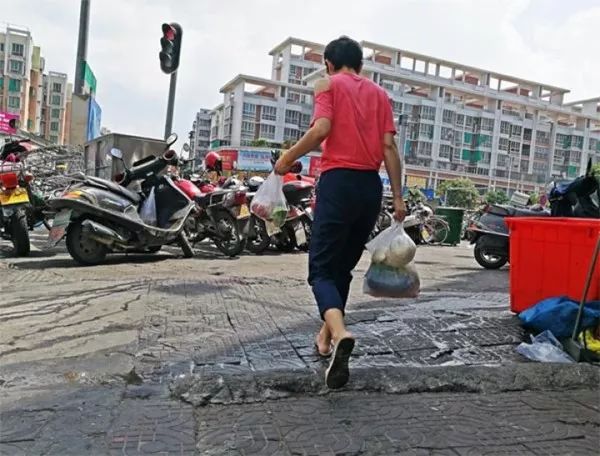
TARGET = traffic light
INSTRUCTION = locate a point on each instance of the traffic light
(170, 44)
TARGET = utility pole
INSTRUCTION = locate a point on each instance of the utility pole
(84, 21)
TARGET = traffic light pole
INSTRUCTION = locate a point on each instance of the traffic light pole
(171, 104)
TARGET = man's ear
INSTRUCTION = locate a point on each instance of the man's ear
(330, 67)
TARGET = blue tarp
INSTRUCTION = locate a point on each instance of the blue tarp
(558, 315)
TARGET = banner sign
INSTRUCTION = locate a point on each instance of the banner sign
(5, 118)
(94, 120)
(254, 160)
(230, 159)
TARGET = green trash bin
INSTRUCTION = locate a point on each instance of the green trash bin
(454, 217)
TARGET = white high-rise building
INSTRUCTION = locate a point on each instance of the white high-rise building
(454, 120)
(200, 139)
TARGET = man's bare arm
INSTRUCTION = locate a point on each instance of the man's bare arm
(393, 165)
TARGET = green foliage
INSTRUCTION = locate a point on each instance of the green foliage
(496, 197)
(260, 143)
(460, 192)
(414, 195)
(534, 198)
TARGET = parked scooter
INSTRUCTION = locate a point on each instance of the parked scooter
(489, 233)
(299, 193)
(100, 216)
(576, 198)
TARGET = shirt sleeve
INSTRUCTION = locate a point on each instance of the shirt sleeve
(323, 106)
(388, 117)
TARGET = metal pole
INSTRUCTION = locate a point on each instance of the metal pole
(509, 172)
(84, 21)
(170, 105)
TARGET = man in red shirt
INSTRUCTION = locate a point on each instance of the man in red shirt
(354, 124)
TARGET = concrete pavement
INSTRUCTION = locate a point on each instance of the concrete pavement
(156, 354)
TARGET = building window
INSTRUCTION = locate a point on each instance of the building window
(447, 134)
(54, 139)
(54, 126)
(578, 142)
(487, 124)
(541, 153)
(1, 47)
(460, 120)
(14, 102)
(445, 151)
(428, 112)
(249, 110)
(15, 66)
(14, 85)
(424, 148)
(55, 100)
(448, 116)
(502, 159)
(515, 146)
(295, 75)
(515, 130)
(267, 131)
(469, 122)
(55, 113)
(269, 113)
(542, 137)
(426, 131)
(503, 144)
(56, 87)
(504, 128)
(18, 49)
(291, 134)
(248, 127)
(292, 117)
(484, 140)
(305, 121)
(397, 107)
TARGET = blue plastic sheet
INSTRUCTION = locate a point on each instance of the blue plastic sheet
(558, 315)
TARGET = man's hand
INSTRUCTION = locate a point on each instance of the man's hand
(399, 209)
(282, 166)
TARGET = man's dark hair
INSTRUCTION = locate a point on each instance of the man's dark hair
(344, 52)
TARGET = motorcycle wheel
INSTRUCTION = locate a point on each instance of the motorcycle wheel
(19, 233)
(486, 260)
(82, 249)
(261, 239)
(306, 224)
(184, 244)
(232, 242)
(286, 240)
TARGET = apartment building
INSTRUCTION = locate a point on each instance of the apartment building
(200, 139)
(41, 100)
(16, 48)
(454, 120)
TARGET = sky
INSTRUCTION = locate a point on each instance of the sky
(552, 41)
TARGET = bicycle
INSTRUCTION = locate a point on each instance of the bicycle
(434, 230)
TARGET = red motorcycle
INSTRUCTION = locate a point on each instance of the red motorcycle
(221, 214)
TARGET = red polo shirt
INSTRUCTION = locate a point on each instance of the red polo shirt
(360, 113)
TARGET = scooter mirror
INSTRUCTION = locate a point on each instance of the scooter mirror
(171, 140)
(116, 153)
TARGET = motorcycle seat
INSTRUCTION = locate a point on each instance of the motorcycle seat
(114, 187)
(510, 211)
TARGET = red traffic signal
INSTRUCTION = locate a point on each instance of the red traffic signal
(170, 44)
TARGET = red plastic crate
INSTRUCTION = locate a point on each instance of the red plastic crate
(551, 257)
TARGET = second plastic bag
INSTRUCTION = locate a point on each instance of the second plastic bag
(382, 281)
(269, 203)
(148, 210)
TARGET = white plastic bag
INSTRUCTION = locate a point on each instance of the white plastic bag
(544, 348)
(269, 203)
(148, 210)
(392, 273)
(392, 247)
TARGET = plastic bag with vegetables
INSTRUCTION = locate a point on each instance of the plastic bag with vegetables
(392, 273)
(269, 202)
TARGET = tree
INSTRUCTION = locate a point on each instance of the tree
(415, 195)
(460, 192)
(496, 197)
(260, 143)
(596, 170)
(534, 198)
